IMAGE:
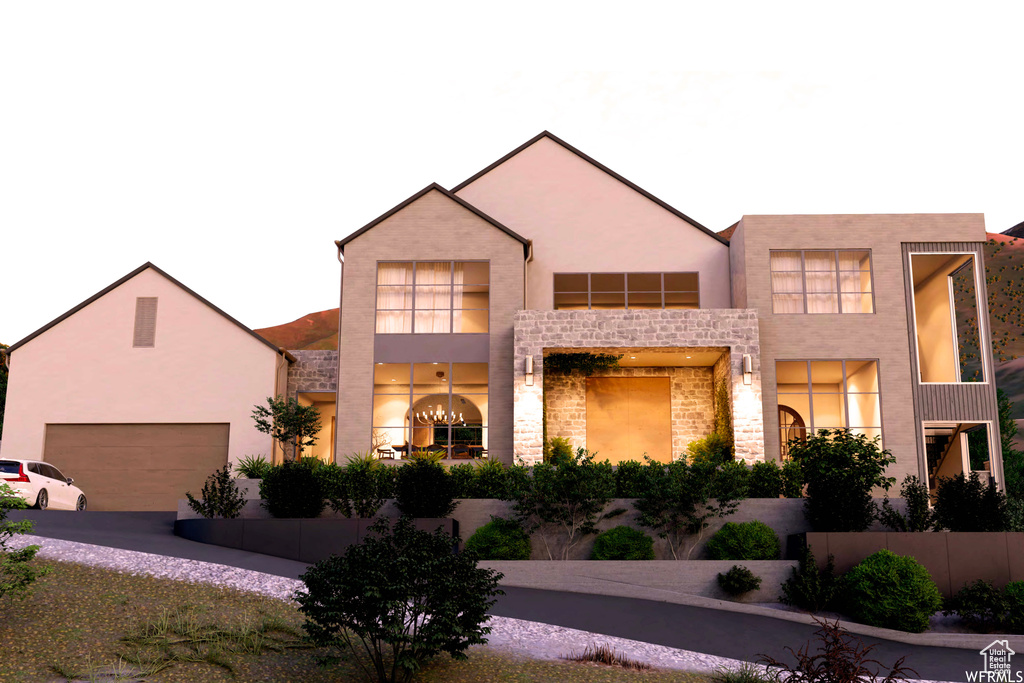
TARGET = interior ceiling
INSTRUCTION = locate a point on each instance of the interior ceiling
(925, 265)
(318, 396)
(657, 358)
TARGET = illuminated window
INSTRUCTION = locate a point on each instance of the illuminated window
(618, 291)
(432, 297)
(818, 281)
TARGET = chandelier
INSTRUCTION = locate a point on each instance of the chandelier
(438, 415)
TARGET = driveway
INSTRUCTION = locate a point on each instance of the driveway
(727, 634)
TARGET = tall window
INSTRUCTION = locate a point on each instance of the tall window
(430, 407)
(818, 281)
(580, 291)
(432, 297)
(828, 394)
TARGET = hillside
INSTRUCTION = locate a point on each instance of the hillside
(316, 331)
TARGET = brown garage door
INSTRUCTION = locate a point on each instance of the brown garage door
(137, 466)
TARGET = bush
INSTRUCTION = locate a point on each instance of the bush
(558, 449)
(739, 580)
(293, 491)
(810, 588)
(841, 469)
(565, 500)
(891, 591)
(965, 504)
(252, 467)
(630, 479)
(984, 607)
(919, 515)
(839, 658)
(714, 448)
(500, 539)
(623, 543)
(16, 569)
(424, 489)
(401, 597)
(494, 480)
(221, 497)
(463, 480)
(792, 480)
(744, 541)
(765, 480)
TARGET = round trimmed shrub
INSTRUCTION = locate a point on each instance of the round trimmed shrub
(500, 539)
(739, 580)
(891, 591)
(623, 543)
(293, 490)
(744, 541)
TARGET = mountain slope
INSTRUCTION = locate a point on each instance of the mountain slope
(316, 331)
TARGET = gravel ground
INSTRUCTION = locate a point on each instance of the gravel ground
(528, 638)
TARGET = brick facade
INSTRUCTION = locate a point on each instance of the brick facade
(735, 330)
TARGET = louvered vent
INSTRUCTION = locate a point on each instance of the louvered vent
(145, 322)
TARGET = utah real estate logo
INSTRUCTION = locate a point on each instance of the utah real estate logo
(998, 668)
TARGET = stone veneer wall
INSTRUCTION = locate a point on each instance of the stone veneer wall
(313, 371)
(734, 329)
(693, 408)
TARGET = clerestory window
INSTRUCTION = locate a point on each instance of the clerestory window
(822, 281)
(617, 291)
(432, 297)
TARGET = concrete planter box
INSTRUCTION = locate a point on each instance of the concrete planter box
(952, 558)
(303, 540)
(651, 580)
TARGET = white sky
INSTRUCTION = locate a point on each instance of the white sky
(232, 143)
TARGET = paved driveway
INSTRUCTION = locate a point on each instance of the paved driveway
(727, 634)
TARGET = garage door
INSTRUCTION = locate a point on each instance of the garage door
(137, 466)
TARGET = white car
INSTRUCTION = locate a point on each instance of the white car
(41, 485)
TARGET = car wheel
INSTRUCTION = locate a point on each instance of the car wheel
(42, 500)
(80, 505)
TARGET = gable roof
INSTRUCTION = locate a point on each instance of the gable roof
(429, 188)
(599, 165)
(125, 279)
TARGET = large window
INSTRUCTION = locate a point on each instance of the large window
(432, 297)
(430, 407)
(580, 291)
(819, 281)
(827, 394)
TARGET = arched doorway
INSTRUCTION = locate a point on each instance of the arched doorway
(791, 426)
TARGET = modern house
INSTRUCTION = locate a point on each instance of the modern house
(453, 300)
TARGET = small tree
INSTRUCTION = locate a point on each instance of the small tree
(682, 499)
(16, 570)
(566, 498)
(221, 497)
(966, 504)
(841, 469)
(288, 422)
(919, 517)
(398, 599)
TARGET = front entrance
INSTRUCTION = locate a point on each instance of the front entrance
(628, 417)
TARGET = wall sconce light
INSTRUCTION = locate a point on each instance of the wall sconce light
(748, 368)
(529, 371)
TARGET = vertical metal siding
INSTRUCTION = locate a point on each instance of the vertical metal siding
(969, 401)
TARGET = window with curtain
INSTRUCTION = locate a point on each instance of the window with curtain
(821, 281)
(432, 297)
(618, 291)
(829, 394)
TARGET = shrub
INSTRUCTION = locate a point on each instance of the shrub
(714, 448)
(359, 488)
(16, 569)
(565, 500)
(430, 600)
(623, 543)
(424, 489)
(463, 480)
(891, 591)
(839, 658)
(681, 499)
(919, 515)
(965, 504)
(252, 467)
(221, 497)
(293, 490)
(739, 580)
(630, 479)
(841, 469)
(557, 450)
(765, 480)
(984, 607)
(494, 480)
(810, 588)
(500, 539)
(744, 541)
(792, 480)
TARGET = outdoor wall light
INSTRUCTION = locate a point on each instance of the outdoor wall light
(748, 368)
(529, 371)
